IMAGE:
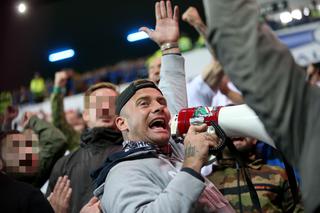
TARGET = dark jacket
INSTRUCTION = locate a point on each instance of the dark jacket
(96, 145)
(18, 197)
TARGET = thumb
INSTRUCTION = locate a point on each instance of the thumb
(146, 30)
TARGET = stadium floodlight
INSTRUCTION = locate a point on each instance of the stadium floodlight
(306, 11)
(61, 55)
(22, 7)
(285, 17)
(296, 14)
(137, 36)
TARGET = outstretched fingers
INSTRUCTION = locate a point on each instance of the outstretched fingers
(157, 11)
(176, 13)
(163, 9)
(169, 9)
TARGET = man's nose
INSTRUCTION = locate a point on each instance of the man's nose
(157, 107)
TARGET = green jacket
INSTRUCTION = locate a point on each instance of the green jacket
(270, 182)
(59, 121)
(52, 145)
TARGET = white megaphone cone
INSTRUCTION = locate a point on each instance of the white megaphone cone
(236, 121)
(242, 121)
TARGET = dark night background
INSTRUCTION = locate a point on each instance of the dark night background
(95, 29)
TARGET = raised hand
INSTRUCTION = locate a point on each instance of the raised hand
(60, 79)
(167, 24)
(26, 118)
(60, 197)
(192, 17)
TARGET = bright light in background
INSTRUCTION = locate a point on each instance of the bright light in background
(58, 56)
(306, 11)
(296, 14)
(137, 36)
(285, 17)
(22, 7)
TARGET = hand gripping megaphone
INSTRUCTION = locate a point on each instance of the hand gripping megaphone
(235, 121)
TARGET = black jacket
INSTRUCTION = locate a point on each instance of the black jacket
(19, 197)
(96, 145)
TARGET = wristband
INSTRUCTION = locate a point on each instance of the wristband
(179, 54)
(58, 90)
(169, 45)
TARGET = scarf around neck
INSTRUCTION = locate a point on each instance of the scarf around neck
(132, 150)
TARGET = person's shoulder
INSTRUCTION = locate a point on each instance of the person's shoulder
(134, 168)
(134, 165)
(28, 197)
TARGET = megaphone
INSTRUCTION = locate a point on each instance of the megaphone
(236, 121)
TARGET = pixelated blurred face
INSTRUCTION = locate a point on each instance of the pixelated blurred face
(21, 153)
(154, 70)
(244, 144)
(101, 109)
(75, 121)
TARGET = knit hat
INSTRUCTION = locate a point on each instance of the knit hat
(126, 94)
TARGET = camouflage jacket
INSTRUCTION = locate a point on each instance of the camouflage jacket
(60, 122)
(270, 182)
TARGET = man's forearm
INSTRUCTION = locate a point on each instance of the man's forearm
(172, 82)
(60, 122)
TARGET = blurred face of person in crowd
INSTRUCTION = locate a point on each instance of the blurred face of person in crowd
(145, 117)
(100, 108)
(20, 153)
(244, 145)
(75, 120)
(154, 70)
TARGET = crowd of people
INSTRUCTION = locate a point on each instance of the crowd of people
(118, 155)
(40, 88)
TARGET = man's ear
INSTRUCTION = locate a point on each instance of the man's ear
(121, 123)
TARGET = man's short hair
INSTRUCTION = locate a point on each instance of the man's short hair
(95, 87)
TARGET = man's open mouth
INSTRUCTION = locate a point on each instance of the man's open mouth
(158, 123)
